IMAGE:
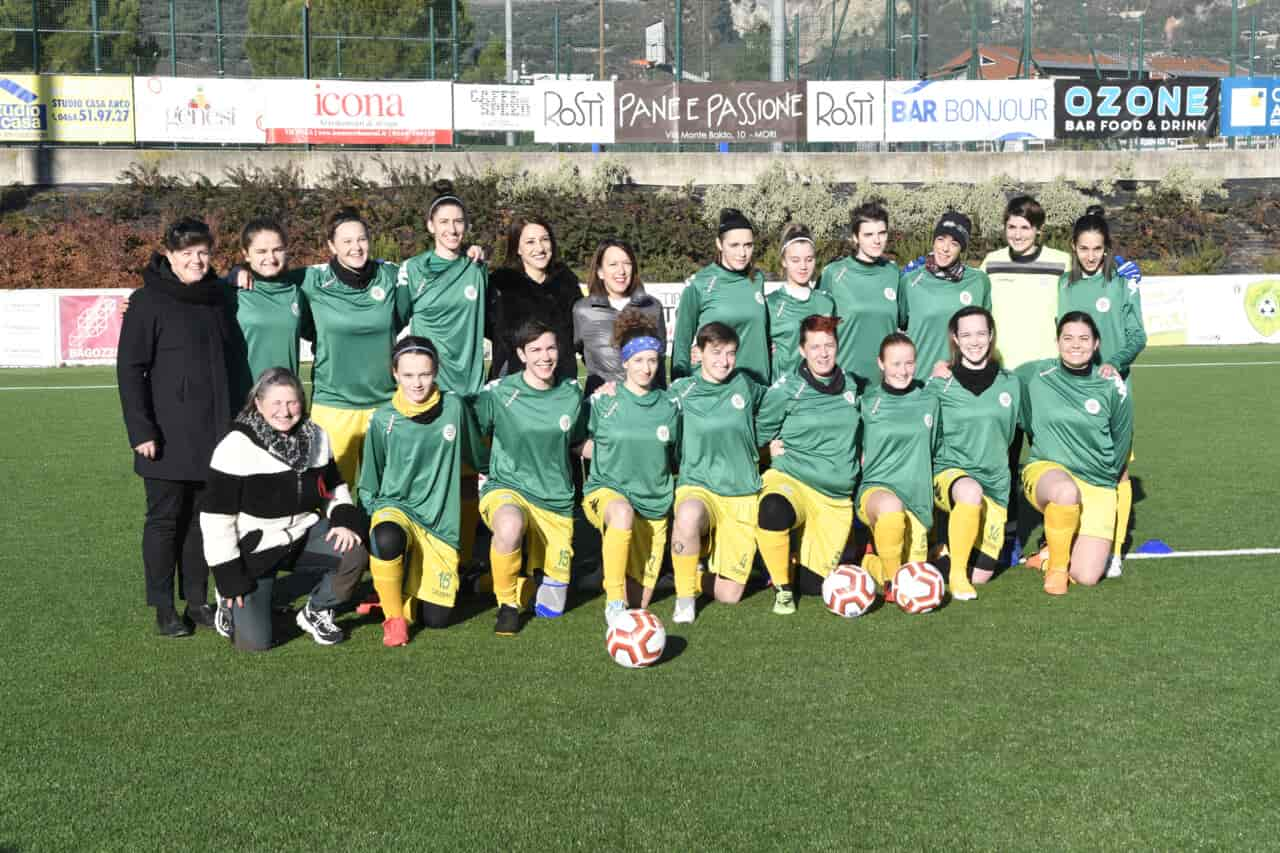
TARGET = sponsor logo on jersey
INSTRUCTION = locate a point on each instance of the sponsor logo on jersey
(450, 432)
(928, 421)
(966, 298)
(664, 434)
(1103, 304)
(891, 294)
(738, 402)
(377, 293)
(1006, 399)
(471, 293)
(1092, 406)
(565, 423)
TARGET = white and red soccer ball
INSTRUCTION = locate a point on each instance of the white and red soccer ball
(919, 587)
(636, 639)
(848, 591)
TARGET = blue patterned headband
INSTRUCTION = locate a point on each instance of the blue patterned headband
(641, 344)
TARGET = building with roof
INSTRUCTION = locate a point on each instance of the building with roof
(1002, 62)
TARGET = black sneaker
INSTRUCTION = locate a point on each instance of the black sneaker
(169, 625)
(319, 624)
(203, 615)
(508, 624)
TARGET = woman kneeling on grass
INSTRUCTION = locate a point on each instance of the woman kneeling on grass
(900, 430)
(1080, 422)
(271, 478)
(410, 483)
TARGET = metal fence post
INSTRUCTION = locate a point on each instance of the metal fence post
(796, 20)
(431, 45)
(217, 20)
(173, 39)
(306, 40)
(555, 41)
(679, 34)
(35, 36)
(453, 12)
(97, 36)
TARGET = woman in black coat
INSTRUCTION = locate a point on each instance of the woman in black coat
(534, 285)
(171, 366)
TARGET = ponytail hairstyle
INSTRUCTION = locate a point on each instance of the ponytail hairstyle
(416, 345)
(796, 233)
(630, 324)
(953, 331)
(342, 216)
(732, 219)
(254, 227)
(1094, 220)
(445, 196)
(893, 339)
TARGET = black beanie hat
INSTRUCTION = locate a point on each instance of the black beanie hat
(731, 218)
(954, 225)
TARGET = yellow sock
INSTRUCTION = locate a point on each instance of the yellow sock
(874, 567)
(1060, 525)
(1124, 508)
(388, 580)
(615, 549)
(685, 568)
(505, 568)
(963, 529)
(890, 534)
(775, 550)
(470, 517)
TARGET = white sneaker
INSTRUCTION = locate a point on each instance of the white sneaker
(612, 610)
(686, 611)
(1115, 568)
(222, 622)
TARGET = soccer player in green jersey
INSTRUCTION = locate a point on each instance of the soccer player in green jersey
(813, 410)
(1094, 287)
(409, 483)
(635, 431)
(979, 405)
(716, 493)
(1081, 428)
(930, 294)
(865, 289)
(899, 436)
(795, 300)
(352, 308)
(535, 417)
(267, 311)
(730, 291)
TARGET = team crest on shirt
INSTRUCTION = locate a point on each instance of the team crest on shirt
(738, 402)
(1092, 406)
(1103, 304)
(928, 421)
(564, 423)
(891, 294)
(664, 434)
(450, 432)
(759, 297)
(471, 293)
(850, 397)
(377, 293)
(966, 298)
(294, 308)
(1006, 399)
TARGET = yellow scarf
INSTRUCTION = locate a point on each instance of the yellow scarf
(412, 410)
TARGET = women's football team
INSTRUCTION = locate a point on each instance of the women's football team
(830, 420)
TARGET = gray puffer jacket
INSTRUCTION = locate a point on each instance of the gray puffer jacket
(593, 318)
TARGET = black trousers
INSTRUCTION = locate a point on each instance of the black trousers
(172, 544)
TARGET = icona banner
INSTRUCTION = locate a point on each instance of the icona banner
(743, 111)
(65, 108)
(1153, 109)
(844, 111)
(1251, 106)
(89, 327)
(968, 110)
(578, 111)
(346, 112)
(489, 107)
(199, 109)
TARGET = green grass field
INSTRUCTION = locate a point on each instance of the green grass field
(1137, 715)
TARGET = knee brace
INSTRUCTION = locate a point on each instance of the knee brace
(776, 513)
(387, 541)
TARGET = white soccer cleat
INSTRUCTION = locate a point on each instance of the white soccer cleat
(1115, 568)
(686, 611)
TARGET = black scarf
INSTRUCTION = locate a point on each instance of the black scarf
(293, 448)
(834, 387)
(976, 381)
(953, 273)
(358, 279)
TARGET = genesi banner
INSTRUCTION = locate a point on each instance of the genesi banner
(709, 112)
(1154, 109)
(199, 109)
(1251, 106)
(65, 108)
(968, 110)
(345, 112)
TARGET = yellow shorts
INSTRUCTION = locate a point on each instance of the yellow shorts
(346, 429)
(825, 520)
(548, 538)
(430, 565)
(1097, 504)
(731, 545)
(917, 544)
(648, 537)
(994, 516)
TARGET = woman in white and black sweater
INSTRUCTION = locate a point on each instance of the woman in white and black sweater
(271, 478)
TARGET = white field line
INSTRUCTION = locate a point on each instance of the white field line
(1212, 364)
(56, 387)
(1235, 552)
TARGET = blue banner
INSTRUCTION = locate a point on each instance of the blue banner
(1251, 106)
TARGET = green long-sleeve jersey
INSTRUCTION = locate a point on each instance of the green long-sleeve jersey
(718, 449)
(532, 432)
(820, 427)
(270, 320)
(449, 304)
(975, 431)
(926, 304)
(866, 299)
(1082, 422)
(635, 439)
(353, 330)
(786, 313)
(417, 467)
(716, 294)
(899, 437)
(1116, 306)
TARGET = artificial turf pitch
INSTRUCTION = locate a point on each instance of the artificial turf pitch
(1137, 715)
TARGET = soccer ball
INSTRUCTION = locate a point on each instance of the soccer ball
(848, 591)
(1268, 307)
(919, 587)
(636, 639)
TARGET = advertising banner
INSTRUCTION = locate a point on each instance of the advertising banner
(27, 337)
(968, 110)
(89, 326)
(346, 112)
(486, 107)
(710, 112)
(65, 108)
(1251, 106)
(199, 109)
(844, 111)
(1153, 109)
(573, 111)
